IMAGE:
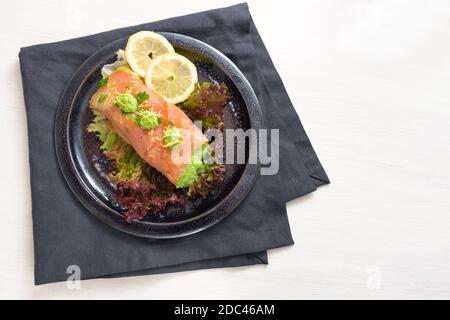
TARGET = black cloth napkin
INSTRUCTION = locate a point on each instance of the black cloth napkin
(66, 234)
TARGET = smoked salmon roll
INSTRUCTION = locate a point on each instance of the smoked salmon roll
(161, 133)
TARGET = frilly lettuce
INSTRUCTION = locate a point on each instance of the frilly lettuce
(120, 61)
(206, 103)
(141, 189)
(200, 176)
(129, 166)
(192, 171)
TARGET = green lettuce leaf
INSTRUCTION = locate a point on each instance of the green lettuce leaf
(200, 176)
(192, 171)
(129, 166)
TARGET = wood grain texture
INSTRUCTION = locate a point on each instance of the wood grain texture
(371, 83)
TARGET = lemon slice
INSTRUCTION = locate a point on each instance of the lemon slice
(172, 76)
(144, 46)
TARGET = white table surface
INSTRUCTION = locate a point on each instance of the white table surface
(371, 81)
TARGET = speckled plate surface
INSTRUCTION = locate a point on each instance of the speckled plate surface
(84, 166)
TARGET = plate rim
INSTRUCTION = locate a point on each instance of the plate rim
(70, 173)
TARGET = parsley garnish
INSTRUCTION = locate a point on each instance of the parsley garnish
(103, 82)
(102, 97)
(141, 96)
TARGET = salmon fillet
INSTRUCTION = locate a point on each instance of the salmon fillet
(148, 143)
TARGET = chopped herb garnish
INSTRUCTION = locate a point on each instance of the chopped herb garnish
(126, 102)
(102, 97)
(141, 97)
(172, 137)
(103, 82)
(147, 119)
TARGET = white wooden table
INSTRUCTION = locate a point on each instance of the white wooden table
(371, 81)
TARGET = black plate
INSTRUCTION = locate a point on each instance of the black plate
(82, 163)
